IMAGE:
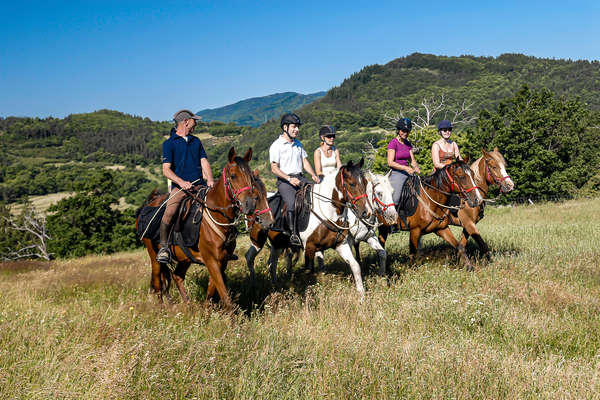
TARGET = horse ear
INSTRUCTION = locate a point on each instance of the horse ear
(248, 155)
(485, 153)
(255, 173)
(231, 155)
(349, 165)
(496, 149)
(361, 162)
(467, 159)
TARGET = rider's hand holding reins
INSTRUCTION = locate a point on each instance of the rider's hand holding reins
(316, 179)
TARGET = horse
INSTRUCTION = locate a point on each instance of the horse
(379, 191)
(327, 226)
(490, 169)
(233, 195)
(431, 213)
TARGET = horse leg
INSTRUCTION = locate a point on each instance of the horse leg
(356, 246)
(210, 291)
(415, 235)
(464, 238)
(447, 235)
(383, 231)
(155, 276)
(165, 282)
(345, 251)
(309, 256)
(214, 271)
(381, 254)
(289, 263)
(179, 278)
(273, 259)
(471, 229)
(250, 256)
(320, 263)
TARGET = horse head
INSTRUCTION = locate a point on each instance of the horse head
(239, 182)
(460, 181)
(263, 213)
(351, 183)
(495, 170)
(380, 192)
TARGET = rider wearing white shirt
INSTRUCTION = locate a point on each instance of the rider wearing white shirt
(288, 157)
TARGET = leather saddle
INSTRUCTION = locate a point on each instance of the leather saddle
(302, 207)
(186, 228)
(407, 205)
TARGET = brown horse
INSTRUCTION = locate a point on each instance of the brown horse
(234, 194)
(490, 169)
(431, 214)
(327, 226)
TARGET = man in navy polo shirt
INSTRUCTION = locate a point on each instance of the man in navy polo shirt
(185, 164)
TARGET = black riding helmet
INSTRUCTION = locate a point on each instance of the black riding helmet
(404, 124)
(327, 130)
(290, 118)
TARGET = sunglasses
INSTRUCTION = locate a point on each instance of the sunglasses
(446, 130)
(330, 136)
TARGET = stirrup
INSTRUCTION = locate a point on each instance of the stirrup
(163, 255)
(295, 240)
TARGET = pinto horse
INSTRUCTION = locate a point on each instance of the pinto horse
(490, 169)
(327, 225)
(379, 192)
(234, 194)
(431, 214)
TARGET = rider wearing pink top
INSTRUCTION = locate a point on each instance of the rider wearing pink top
(400, 158)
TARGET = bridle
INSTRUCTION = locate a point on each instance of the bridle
(228, 188)
(491, 176)
(345, 191)
(453, 183)
(384, 206)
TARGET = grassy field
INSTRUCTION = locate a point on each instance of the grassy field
(525, 325)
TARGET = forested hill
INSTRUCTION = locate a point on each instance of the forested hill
(258, 110)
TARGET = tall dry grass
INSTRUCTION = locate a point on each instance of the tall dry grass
(525, 325)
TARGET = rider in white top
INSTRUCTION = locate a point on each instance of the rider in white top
(327, 156)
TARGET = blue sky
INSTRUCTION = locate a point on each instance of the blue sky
(152, 58)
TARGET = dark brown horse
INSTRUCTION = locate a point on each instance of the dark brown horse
(327, 226)
(234, 194)
(488, 170)
(431, 214)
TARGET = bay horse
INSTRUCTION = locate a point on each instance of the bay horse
(327, 226)
(431, 213)
(233, 195)
(379, 192)
(488, 170)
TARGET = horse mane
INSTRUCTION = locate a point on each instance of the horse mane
(438, 177)
(242, 164)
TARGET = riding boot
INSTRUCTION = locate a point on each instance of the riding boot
(164, 255)
(294, 239)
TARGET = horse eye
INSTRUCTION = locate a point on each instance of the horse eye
(233, 176)
(352, 184)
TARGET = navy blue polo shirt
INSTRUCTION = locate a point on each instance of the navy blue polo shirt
(184, 157)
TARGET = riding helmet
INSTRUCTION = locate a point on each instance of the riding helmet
(327, 130)
(404, 124)
(444, 124)
(290, 118)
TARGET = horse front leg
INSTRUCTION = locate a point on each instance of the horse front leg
(381, 254)
(413, 248)
(469, 228)
(179, 278)
(214, 271)
(273, 259)
(383, 233)
(309, 256)
(320, 262)
(447, 235)
(345, 251)
(250, 256)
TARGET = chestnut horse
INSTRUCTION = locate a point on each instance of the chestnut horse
(327, 227)
(234, 194)
(490, 169)
(431, 214)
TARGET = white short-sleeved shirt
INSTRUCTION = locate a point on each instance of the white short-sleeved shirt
(288, 155)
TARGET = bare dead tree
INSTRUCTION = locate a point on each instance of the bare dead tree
(36, 226)
(370, 152)
(427, 113)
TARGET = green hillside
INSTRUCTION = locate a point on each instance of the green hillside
(258, 110)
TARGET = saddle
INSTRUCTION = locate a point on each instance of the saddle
(302, 207)
(186, 227)
(407, 205)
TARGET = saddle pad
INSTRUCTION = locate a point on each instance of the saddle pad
(190, 227)
(276, 204)
(147, 217)
(407, 205)
(303, 206)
